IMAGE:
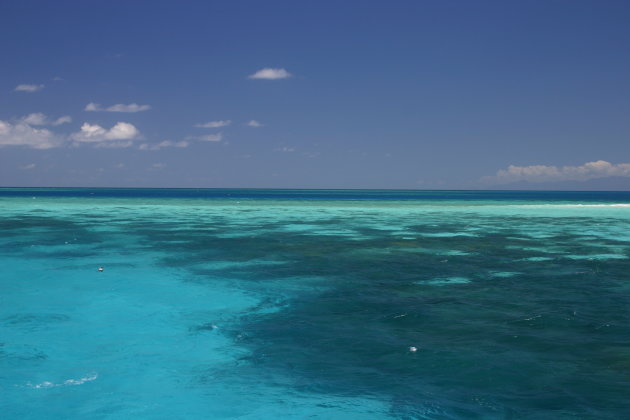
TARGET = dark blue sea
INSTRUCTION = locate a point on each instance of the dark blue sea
(325, 304)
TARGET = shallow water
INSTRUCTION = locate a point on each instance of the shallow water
(256, 304)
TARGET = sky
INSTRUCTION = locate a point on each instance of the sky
(315, 94)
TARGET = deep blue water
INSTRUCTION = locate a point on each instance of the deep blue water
(255, 304)
(289, 194)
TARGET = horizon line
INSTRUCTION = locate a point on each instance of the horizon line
(312, 189)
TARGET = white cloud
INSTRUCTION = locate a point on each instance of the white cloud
(28, 88)
(117, 108)
(544, 173)
(254, 123)
(36, 118)
(90, 133)
(62, 120)
(94, 133)
(211, 137)
(270, 74)
(214, 124)
(165, 143)
(29, 166)
(122, 131)
(23, 134)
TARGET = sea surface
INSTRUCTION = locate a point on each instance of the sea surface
(264, 304)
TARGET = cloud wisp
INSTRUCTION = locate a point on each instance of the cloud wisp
(544, 173)
(270, 74)
(285, 149)
(214, 124)
(28, 88)
(254, 123)
(36, 118)
(163, 144)
(211, 137)
(94, 107)
(62, 120)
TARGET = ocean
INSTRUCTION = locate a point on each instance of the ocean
(327, 304)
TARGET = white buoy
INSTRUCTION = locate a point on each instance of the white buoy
(101, 269)
(413, 349)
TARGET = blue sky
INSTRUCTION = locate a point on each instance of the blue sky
(356, 94)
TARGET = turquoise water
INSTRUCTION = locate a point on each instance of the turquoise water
(256, 304)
